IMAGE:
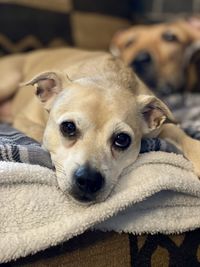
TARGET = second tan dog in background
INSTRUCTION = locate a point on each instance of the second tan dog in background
(90, 112)
(160, 54)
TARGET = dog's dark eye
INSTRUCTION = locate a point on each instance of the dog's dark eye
(121, 141)
(68, 128)
(170, 37)
(129, 43)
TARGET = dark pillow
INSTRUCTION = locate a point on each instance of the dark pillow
(30, 24)
(33, 24)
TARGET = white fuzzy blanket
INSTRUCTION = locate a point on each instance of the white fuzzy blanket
(159, 193)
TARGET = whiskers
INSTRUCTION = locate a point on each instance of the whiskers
(106, 169)
(60, 172)
(59, 168)
(77, 164)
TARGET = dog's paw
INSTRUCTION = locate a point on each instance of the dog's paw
(192, 152)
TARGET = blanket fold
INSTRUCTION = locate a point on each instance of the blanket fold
(36, 214)
(158, 193)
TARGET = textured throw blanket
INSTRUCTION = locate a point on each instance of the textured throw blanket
(159, 193)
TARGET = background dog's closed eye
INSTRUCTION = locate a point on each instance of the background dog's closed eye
(169, 36)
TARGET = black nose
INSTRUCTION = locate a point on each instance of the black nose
(142, 62)
(144, 66)
(143, 57)
(87, 182)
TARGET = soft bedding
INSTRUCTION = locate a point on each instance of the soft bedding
(158, 193)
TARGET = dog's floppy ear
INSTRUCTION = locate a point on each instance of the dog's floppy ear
(154, 113)
(47, 85)
(191, 67)
(192, 25)
(115, 44)
(122, 39)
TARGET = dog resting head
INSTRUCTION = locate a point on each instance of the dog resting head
(157, 52)
(95, 128)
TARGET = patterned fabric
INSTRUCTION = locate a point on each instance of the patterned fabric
(31, 24)
(166, 250)
(16, 147)
(26, 24)
(23, 28)
(186, 109)
(98, 249)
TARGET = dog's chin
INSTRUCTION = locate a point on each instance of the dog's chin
(80, 201)
(85, 200)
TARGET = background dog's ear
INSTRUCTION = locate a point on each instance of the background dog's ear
(122, 39)
(193, 28)
(115, 45)
(154, 113)
(48, 85)
(191, 67)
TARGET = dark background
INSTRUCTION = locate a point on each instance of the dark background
(87, 23)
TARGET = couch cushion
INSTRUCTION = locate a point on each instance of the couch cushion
(30, 24)
(99, 249)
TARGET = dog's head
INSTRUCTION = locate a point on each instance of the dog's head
(95, 129)
(157, 52)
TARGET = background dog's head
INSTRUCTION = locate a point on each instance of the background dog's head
(95, 128)
(159, 53)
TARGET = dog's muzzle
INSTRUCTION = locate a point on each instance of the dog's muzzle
(143, 65)
(87, 182)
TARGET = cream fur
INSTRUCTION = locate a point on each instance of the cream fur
(102, 96)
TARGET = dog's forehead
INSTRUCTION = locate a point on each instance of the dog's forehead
(157, 29)
(95, 102)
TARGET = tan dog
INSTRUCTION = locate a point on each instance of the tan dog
(160, 53)
(91, 112)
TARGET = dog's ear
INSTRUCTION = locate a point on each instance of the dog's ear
(192, 25)
(115, 44)
(191, 67)
(47, 85)
(122, 39)
(154, 113)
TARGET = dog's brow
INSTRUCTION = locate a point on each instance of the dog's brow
(122, 127)
(88, 80)
(77, 117)
(117, 127)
